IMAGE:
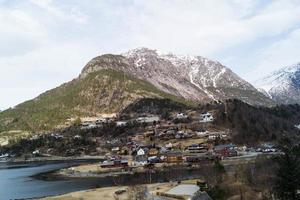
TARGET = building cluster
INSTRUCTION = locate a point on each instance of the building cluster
(164, 142)
(98, 122)
(184, 138)
(141, 155)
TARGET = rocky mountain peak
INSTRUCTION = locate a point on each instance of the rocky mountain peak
(141, 51)
(191, 77)
(283, 85)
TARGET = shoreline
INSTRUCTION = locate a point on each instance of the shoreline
(51, 159)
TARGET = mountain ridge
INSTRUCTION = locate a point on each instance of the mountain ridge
(109, 83)
(191, 77)
(282, 85)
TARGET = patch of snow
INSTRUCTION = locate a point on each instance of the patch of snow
(194, 71)
(218, 76)
(264, 91)
(279, 80)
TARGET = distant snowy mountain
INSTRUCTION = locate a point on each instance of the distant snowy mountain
(191, 77)
(283, 86)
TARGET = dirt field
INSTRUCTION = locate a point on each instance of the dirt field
(108, 193)
(95, 194)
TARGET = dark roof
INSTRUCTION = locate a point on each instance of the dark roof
(141, 158)
(174, 153)
(224, 146)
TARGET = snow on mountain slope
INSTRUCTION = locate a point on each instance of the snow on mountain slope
(283, 86)
(192, 77)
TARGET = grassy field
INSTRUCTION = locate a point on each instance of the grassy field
(12, 135)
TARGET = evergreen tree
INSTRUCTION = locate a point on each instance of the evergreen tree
(287, 183)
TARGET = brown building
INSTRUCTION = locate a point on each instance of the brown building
(153, 152)
(174, 157)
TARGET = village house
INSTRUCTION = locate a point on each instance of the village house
(104, 120)
(148, 119)
(153, 152)
(181, 116)
(115, 149)
(169, 146)
(196, 148)
(77, 137)
(206, 117)
(57, 135)
(36, 153)
(167, 135)
(223, 136)
(182, 135)
(6, 155)
(163, 150)
(226, 150)
(100, 121)
(171, 132)
(140, 160)
(140, 152)
(114, 163)
(88, 125)
(202, 133)
(154, 159)
(121, 123)
(212, 137)
(267, 148)
(174, 157)
(242, 148)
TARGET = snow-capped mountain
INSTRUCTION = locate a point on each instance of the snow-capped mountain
(283, 86)
(191, 77)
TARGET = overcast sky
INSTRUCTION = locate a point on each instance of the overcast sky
(44, 43)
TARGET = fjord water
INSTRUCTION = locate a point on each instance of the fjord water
(16, 181)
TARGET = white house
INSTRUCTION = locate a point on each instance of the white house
(88, 125)
(181, 116)
(4, 155)
(36, 152)
(115, 149)
(206, 117)
(149, 119)
(77, 137)
(169, 146)
(202, 133)
(140, 152)
(121, 123)
(212, 137)
(101, 120)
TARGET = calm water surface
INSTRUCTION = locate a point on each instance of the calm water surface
(16, 181)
